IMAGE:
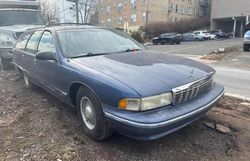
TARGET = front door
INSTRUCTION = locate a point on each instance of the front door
(45, 69)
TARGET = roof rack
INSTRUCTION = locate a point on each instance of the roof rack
(64, 24)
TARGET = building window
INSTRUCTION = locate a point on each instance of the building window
(109, 21)
(189, 1)
(133, 4)
(183, 10)
(189, 11)
(119, 7)
(171, 6)
(144, 14)
(109, 9)
(178, 9)
(144, 2)
(119, 20)
(133, 18)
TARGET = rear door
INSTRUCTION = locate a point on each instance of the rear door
(19, 49)
(29, 55)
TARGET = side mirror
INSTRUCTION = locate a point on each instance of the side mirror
(46, 56)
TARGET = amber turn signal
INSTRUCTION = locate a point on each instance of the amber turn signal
(123, 104)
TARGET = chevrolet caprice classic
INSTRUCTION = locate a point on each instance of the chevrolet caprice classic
(115, 83)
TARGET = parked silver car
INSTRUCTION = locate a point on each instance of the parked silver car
(246, 44)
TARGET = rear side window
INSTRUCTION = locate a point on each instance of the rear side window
(32, 43)
(22, 42)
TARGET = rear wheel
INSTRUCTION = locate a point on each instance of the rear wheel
(91, 115)
(246, 47)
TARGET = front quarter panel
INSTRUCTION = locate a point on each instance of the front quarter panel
(108, 90)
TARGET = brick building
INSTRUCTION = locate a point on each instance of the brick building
(131, 14)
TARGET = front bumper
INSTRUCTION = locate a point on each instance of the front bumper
(151, 125)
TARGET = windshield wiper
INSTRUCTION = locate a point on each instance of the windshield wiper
(86, 55)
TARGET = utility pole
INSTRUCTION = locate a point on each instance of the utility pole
(77, 9)
(146, 25)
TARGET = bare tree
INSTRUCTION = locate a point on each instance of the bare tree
(86, 9)
(49, 11)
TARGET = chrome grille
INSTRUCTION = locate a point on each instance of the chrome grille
(190, 91)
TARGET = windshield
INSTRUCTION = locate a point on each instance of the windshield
(95, 42)
(20, 17)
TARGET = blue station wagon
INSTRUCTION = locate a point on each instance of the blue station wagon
(115, 83)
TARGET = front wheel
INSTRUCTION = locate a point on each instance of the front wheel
(91, 115)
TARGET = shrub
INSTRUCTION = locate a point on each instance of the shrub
(137, 35)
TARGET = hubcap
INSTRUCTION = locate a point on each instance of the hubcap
(87, 112)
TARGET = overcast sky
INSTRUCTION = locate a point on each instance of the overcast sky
(63, 5)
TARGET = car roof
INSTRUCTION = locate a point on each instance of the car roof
(58, 27)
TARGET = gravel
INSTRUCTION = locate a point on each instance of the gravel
(36, 126)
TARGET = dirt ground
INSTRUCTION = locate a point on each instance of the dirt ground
(34, 126)
(218, 55)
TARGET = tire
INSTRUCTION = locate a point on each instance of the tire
(88, 105)
(5, 63)
(246, 47)
(27, 82)
(178, 42)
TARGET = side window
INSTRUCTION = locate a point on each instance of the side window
(46, 43)
(33, 41)
(22, 42)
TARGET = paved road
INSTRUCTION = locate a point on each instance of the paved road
(235, 79)
(196, 48)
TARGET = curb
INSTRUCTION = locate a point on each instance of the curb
(237, 96)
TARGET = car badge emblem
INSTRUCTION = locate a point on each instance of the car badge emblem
(191, 73)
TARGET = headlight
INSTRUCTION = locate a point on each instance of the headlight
(146, 103)
(156, 101)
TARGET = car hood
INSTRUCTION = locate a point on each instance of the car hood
(146, 72)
